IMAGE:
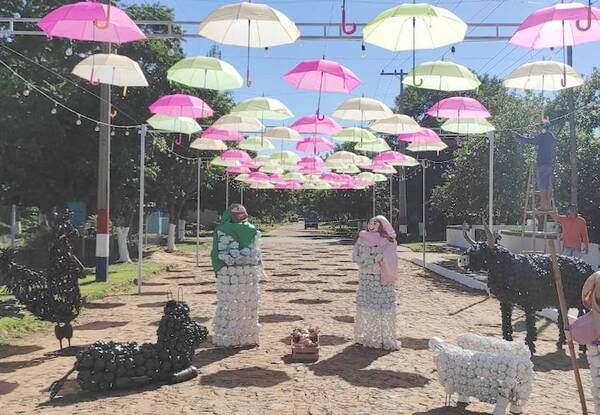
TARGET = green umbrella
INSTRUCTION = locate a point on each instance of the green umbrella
(183, 125)
(271, 169)
(285, 157)
(263, 108)
(378, 177)
(442, 76)
(218, 161)
(255, 144)
(205, 72)
(374, 147)
(242, 177)
(355, 135)
(316, 185)
(348, 169)
(468, 126)
(299, 177)
(208, 144)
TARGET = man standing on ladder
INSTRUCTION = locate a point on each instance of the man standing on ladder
(546, 142)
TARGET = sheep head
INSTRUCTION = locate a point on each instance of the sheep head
(476, 257)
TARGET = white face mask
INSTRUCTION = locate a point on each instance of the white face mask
(373, 225)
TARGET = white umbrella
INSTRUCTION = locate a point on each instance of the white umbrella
(543, 76)
(263, 108)
(112, 69)
(238, 123)
(282, 133)
(396, 124)
(183, 125)
(362, 109)
(208, 145)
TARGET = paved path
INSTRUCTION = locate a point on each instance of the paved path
(309, 281)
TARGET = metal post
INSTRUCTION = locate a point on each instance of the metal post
(241, 193)
(198, 215)
(491, 137)
(374, 187)
(103, 204)
(391, 199)
(13, 226)
(141, 209)
(572, 134)
(424, 230)
(226, 191)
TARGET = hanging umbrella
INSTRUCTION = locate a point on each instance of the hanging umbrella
(314, 145)
(396, 124)
(242, 177)
(256, 144)
(382, 168)
(362, 109)
(218, 161)
(315, 124)
(91, 21)
(262, 108)
(294, 176)
(205, 144)
(258, 177)
(348, 168)
(261, 185)
(468, 126)
(264, 161)
(442, 76)
(238, 123)
(112, 69)
(181, 105)
(291, 185)
(316, 185)
(344, 157)
(282, 133)
(426, 140)
(236, 155)
(378, 177)
(205, 72)
(362, 161)
(249, 24)
(414, 26)
(372, 147)
(311, 161)
(181, 125)
(237, 170)
(458, 107)
(273, 169)
(543, 76)
(395, 158)
(323, 76)
(213, 133)
(285, 156)
(355, 135)
(426, 134)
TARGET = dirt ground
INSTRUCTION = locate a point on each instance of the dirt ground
(309, 281)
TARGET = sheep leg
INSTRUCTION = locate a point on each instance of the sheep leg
(531, 336)
(562, 339)
(506, 311)
(501, 406)
(516, 408)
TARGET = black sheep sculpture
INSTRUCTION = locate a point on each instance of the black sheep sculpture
(52, 295)
(111, 365)
(527, 281)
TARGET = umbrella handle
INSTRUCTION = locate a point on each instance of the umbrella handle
(178, 140)
(563, 81)
(588, 23)
(347, 29)
(415, 83)
(320, 116)
(105, 24)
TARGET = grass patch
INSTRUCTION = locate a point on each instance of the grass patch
(14, 327)
(418, 247)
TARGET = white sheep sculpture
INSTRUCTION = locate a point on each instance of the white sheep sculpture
(488, 369)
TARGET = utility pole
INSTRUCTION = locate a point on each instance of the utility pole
(402, 205)
(572, 134)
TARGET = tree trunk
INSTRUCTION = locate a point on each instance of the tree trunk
(180, 230)
(171, 237)
(122, 234)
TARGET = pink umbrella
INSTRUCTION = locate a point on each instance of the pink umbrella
(392, 158)
(310, 170)
(323, 76)
(238, 170)
(91, 21)
(458, 107)
(250, 165)
(311, 162)
(277, 178)
(258, 176)
(223, 135)
(425, 135)
(314, 145)
(181, 105)
(332, 177)
(290, 185)
(236, 155)
(315, 124)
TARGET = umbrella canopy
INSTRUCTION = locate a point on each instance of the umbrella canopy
(361, 161)
(294, 176)
(433, 27)
(236, 155)
(262, 108)
(355, 135)
(181, 105)
(91, 21)
(181, 125)
(264, 161)
(238, 123)
(242, 177)
(382, 168)
(348, 168)
(260, 185)
(314, 145)
(238, 170)
(316, 185)
(274, 169)
(362, 109)
(256, 144)
(249, 24)
(442, 76)
(394, 158)
(556, 26)
(112, 69)
(218, 161)
(322, 75)
(213, 133)
(426, 134)
(258, 176)
(372, 147)
(209, 145)
(205, 72)
(313, 124)
(468, 126)
(543, 76)
(285, 156)
(343, 157)
(311, 161)
(396, 124)
(282, 133)
(426, 140)
(458, 107)
(291, 185)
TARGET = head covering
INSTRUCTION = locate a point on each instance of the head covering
(387, 226)
(389, 263)
(590, 294)
(243, 232)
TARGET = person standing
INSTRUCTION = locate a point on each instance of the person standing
(236, 261)
(574, 232)
(375, 253)
(546, 143)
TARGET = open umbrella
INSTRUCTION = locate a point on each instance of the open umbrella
(218, 161)
(112, 69)
(282, 157)
(205, 72)
(355, 135)
(282, 133)
(383, 168)
(316, 185)
(290, 185)
(272, 169)
(414, 26)
(262, 108)
(294, 176)
(457, 108)
(343, 157)
(362, 109)
(213, 133)
(181, 125)
(256, 144)
(395, 158)
(426, 140)
(348, 169)
(208, 145)
(92, 21)
(442, 76)
(468, 126)
(264, 161)
(324, 76)
(238, 123)
(238, 170)
(181, 105)
(261, 185)
(251, 25)
(314, 145)
(372, 146)
(543, 76)
(396, 124)
(314, 124)
(236, 155)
